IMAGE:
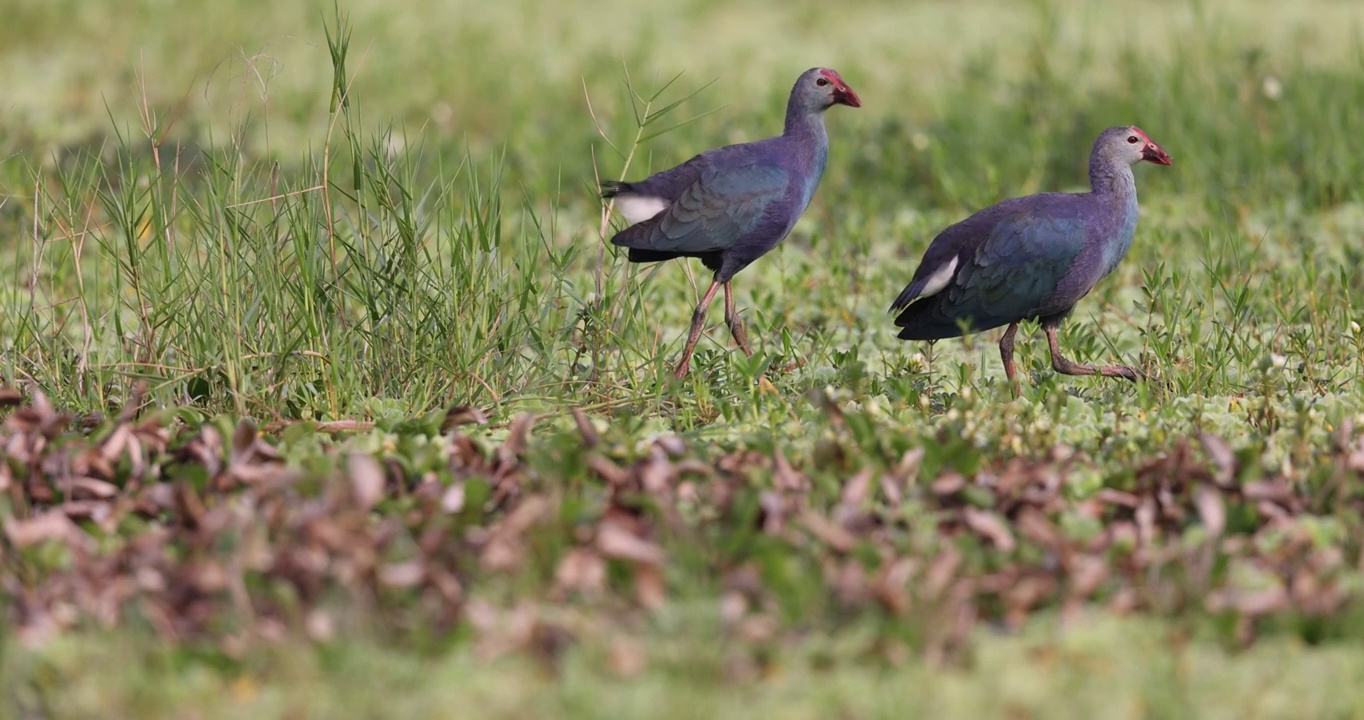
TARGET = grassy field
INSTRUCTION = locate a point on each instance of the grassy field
(364, 419)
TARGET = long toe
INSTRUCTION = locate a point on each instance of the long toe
(1132, 374)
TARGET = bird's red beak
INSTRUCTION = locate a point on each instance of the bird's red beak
(1155, 153)
(844, 95)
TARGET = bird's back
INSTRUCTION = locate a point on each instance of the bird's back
(1021, 258)
(732, 195)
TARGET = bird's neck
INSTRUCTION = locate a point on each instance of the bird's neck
(804, 123)
(1113, 180)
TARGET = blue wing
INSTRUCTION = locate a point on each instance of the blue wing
(712, 213)
(1010, 269)
(1019, 266)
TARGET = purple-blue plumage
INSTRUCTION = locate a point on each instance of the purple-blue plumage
(732, 205)
(1031, 258)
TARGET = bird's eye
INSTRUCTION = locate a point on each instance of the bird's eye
(822, 82)
(1132, 139)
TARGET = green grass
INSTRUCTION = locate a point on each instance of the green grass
(263, 210)
(1111, 668)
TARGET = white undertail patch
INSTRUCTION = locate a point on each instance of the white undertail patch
(638, 208)
(939, 279)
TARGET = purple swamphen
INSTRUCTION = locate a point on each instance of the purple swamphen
(1031, 258)
(731, 205)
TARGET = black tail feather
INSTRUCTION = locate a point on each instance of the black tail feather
(907, 296)
(905, 315)
(640, 255)
(612, 188)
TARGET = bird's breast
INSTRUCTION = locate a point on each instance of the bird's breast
(812, 179)
(1120, 240)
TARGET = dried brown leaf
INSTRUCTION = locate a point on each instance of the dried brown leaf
(1124, 601)
(1118, 497)
(465, 455)
(1273, 511)
(52, 525)
(366, 480)
(515, 445)
(733, 607)
(857, 490)
(617, 542)
(1146, 520)
(99, 511)
(949, 633)
(1222, 457)
(134, 402)
(41, 406)
(1025, 594)
(113, 446)
(656, 475)
(627, 657)
(91, 463)
(452, 500)
(692, 466)
(206, 449)
(243, 441)
(608, 470)
(784, 477)
(264, 476)
(941, 572)
(848, 580)
(188, 505)
(86, 487)
(1211, 509)
(1275, 491)
(137, 458)
(650, 588)
(1249, 602)
(589, 433)
(320, 625)
(745, 579)
(892, 490)
(580, 570)
(1087, 573)
(1344, 435)
(153, 434)
(459, 415)
(949, 483)
(1123, 533)
(449, 586)
(990, 526)
(758, 628)
(775, 509)
(1035, 526)
(907, 470)
(673, 446)
(207, 577)
(888, 587)
(548, 643)
(828, 532)
(402, 575)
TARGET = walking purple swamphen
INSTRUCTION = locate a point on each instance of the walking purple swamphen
(1031, 258)
(731, 205)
